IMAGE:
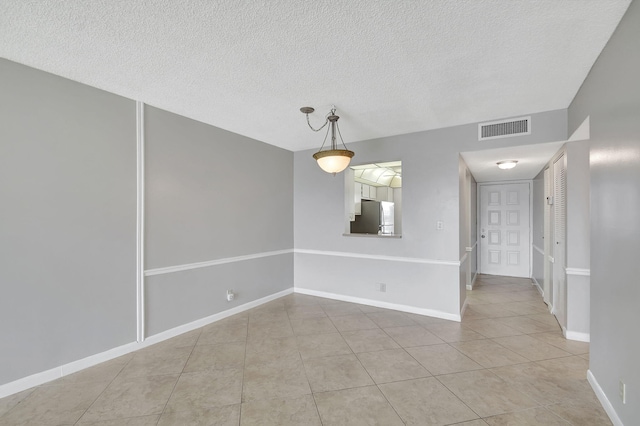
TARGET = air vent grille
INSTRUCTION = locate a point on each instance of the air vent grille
(504, 128)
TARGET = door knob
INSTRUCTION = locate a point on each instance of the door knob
(482, 236)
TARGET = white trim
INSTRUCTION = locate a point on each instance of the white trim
(577, 335)
(464, 258)
(538, 286)
(380, 257)
(464, 308)
(188, 266)
(538, 249)
(602, 397)
(380, 304)
(473, 281)
(140, 319)
(74, 366)
(578, 271)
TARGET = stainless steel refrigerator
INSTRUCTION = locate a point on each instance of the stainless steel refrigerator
(376, 218)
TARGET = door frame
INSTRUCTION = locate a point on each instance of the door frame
(479, 217)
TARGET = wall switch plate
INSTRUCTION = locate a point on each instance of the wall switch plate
(230, 295)
(623, 392)
(382, 287)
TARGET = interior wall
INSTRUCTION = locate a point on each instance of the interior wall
(537, 221)
(67, 221)
(213, 195)
(430, 193)
(578, 240)
(610, 97)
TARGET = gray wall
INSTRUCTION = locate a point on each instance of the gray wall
(210, 195)
(610, 96)
(537, 231)
(430, 192)
(67, 221)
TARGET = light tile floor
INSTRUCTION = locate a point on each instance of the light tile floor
(303, 360)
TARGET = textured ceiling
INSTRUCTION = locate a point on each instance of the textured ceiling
(390, 67)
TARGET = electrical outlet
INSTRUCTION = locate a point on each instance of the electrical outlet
(382, 287)
(439, 225)
(230, 295)
(623, 392)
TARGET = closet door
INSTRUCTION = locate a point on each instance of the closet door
(560, 239)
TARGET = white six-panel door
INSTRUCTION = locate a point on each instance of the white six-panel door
(504, 229)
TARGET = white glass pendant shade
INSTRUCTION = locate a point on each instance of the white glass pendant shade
(333, 160)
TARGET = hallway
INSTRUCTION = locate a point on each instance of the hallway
(304, 360)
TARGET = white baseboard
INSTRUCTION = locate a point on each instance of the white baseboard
(576, 335)
(464, 308)
(75, 366)
(538, 286)
(606, 404)
(380, 304)
(473, 281)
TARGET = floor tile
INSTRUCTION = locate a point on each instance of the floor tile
(260, 330)
(215, 357)
(531, 417)
(390, 319)
(413, 335)
(426, 402)
(530, 348)
(539, 383)
(266, 350)
(157, 362)
(365, 406)
(53, 405)
(282, 412)
(571, 367)
(131, 421)
(485, 393)
(132, 397)
(453, 332)
(369, 340)
(228, 415)
(353, 322)
(527, 325)
(442, 359)
(204, 389)
(585, 411)
(313, 325)
(336, 372)
(305, 311)
(223, 333)
(391, 366)
(491, 328)
(488, 353)
(556, 339)
(340, 309)
(321, 345)
(7, 403)
(274, 380)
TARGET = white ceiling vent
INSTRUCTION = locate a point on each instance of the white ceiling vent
(504, 128)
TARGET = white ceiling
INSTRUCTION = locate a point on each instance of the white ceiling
(531, 159)
(389, 66)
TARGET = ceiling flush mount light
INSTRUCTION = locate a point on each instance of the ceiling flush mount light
(332, 160)
(507, 164)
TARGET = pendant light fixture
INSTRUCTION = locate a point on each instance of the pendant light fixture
(332, 160)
